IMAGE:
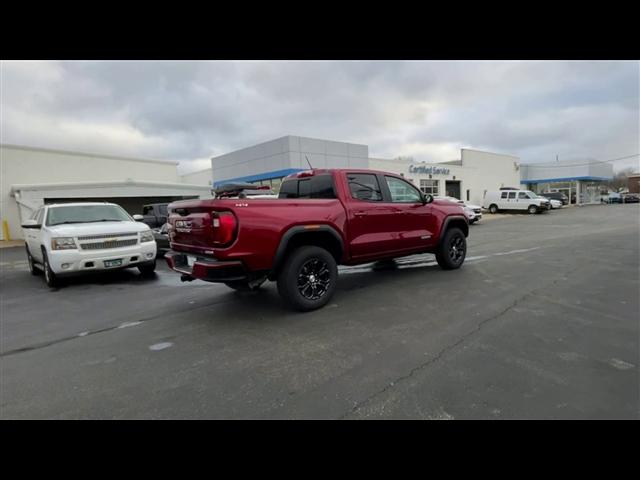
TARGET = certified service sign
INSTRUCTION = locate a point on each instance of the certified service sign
(430, 169)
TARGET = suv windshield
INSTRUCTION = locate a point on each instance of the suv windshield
(86, 214)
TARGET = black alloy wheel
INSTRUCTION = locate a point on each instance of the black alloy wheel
(457, 249)
(314, 279)
(452, 250)
(308, 277)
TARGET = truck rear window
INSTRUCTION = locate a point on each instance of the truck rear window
(318, 186)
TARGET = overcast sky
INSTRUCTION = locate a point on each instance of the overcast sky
(191, 111)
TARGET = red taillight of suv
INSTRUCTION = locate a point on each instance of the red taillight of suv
(225, 227)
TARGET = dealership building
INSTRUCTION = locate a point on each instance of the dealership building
(268, 163)
(32, 177)
(582, 182)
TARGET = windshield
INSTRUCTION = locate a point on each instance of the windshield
(87, 214)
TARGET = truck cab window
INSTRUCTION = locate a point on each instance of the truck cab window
(402, 192)
(318, 186)
(364, 186)
(289, 189)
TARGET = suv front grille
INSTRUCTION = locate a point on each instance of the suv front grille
(108, 235)
(109, 244)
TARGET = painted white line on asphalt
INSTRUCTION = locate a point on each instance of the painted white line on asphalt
(620, 364)
(128, 324)
(160, 346)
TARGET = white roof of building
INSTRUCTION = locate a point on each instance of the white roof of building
(125, 183)
(86, 154)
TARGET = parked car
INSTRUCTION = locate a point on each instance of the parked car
(322, 218)
(552, 201)
(73, 238)
(556, 196)
(153, 214)
(161, 236)
(473, 212)
(630, 198)
(611, 197)
(513, 200)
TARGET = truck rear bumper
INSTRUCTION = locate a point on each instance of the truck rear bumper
(206, 268)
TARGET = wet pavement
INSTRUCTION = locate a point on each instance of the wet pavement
(541, 322)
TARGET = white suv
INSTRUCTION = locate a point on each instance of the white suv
(71, 238)
(473, 212)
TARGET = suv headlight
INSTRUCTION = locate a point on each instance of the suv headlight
(63, 243)
(146, 237)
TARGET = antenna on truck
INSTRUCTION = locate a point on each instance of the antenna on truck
(308, 162)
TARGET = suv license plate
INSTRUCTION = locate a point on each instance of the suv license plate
(113, 263)
(191, 260)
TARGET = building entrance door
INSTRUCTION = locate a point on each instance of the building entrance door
(452, 187)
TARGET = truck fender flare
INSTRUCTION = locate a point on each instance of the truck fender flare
(298, 230)
(448, 220)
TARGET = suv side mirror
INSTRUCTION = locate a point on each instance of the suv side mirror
(138, 218)
(427, 199)
(31, 224)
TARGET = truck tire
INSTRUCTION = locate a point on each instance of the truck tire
(452, 250)
(532, 209)
(50, 277)
(493, 208)
(147, 269)
(308, 277)
(31, 262)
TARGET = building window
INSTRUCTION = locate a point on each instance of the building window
(430, 187)
(468, 194)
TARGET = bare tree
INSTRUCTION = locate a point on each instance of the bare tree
(620, 179)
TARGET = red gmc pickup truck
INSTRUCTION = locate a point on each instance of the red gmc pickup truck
(320, 219)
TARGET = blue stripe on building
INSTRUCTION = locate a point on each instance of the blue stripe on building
(565, 179)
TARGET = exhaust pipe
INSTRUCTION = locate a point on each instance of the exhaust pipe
(186, 278)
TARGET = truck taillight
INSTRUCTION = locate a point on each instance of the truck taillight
(224, 228)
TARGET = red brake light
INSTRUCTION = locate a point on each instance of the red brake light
(224, 228)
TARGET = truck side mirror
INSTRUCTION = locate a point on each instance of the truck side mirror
(138, 218)
(427, 199)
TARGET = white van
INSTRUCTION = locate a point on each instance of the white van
(498, 200)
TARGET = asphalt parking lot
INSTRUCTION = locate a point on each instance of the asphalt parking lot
(542, 321)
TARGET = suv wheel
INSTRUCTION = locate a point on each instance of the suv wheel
(532, 209)
(493, 208)
(50, 277)
(147, 269)
(32, 266)
(308, 278)
(452, 249)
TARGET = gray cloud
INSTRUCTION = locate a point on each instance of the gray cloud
(190, 111)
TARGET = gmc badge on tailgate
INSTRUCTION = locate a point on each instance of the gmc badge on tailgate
(183, 226)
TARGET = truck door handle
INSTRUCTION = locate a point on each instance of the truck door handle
(360, 214)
